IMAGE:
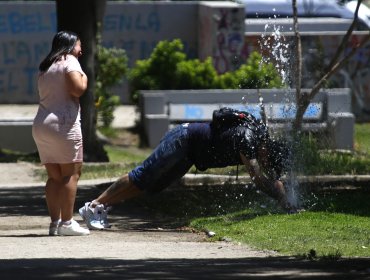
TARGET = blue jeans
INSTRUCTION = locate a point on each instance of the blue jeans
(168, 162)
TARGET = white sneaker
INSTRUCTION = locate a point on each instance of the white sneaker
(91, 216)
(72, 229)
(53, 228)
(103, 215)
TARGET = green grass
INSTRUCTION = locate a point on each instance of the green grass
(362, 136)
(335, 224)
(327, 234)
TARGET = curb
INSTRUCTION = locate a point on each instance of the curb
(194, 180)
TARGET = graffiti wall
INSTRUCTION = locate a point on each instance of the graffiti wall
(205, 28)
(25, 35)
(27, 29)
(221, 35)
(138, 27)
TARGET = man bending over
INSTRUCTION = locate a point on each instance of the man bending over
(231, 138)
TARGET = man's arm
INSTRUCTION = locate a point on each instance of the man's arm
(273, 188)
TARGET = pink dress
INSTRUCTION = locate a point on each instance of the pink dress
(57, 127)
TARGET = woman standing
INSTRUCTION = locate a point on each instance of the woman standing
(57, 130)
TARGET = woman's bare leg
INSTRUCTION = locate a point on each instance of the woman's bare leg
(70, 174)
(52, 189)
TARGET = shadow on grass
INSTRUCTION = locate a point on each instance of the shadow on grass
(12, 156)
(178, 205)
(183, 204)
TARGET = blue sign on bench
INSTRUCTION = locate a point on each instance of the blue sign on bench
(274, 111)
(203, 112)
(287, 111)
(191, 112)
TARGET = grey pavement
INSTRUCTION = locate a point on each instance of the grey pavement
(140, 244)
(124, 115)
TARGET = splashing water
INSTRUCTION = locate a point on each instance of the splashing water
(276, 45)
(275, 50)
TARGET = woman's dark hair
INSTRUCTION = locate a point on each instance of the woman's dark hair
(63, 43)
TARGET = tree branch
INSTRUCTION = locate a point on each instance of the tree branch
(345, 39)
(298, 53)
(337, 66)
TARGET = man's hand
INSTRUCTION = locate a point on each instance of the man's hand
(273, 188)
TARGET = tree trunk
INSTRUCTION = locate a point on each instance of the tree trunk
(297, 125)
(84, 17)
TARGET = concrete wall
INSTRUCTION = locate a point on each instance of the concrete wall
(206, 29)
(27, 29)
(221, 34)
(25, 37)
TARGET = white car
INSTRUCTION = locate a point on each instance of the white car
(363, 12)
(306, 8)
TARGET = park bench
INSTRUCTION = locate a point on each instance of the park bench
(329, 113)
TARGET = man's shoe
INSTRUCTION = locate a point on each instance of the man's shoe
(73, 229)
(91, 216)
(103, 215)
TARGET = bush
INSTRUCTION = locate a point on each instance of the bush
(194, 74)
(168, 68)
(112, 67)
(257, 74)
(157, 72)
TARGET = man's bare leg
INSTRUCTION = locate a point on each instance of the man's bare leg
(120, 190)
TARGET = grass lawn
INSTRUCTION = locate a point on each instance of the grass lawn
(334, 224)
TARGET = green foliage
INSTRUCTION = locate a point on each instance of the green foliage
(112, 67)
(168, 68)
(311, 159)
(253, 74)
(256, 74)
(157, 72)
(194, 74)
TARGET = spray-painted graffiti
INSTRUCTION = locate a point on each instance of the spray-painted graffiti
(229, 40)
(26, 31)
(24, 40)
(127, 22)
(26, 21)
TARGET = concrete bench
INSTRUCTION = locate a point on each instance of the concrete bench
(16, 135)
(329, 113)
